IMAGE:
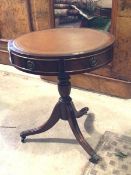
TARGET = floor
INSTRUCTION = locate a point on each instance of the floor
(26, 101)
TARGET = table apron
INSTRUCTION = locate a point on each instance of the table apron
(54, 67)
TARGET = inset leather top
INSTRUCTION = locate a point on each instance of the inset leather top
(70, 50)
(62, 42)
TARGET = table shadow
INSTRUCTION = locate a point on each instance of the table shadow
(51, 140)
(89, 123)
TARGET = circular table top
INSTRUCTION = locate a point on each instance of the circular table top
(70, 50)
(62, 42)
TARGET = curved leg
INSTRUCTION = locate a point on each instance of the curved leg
(49, 124)
(76, 130)
(81, 112)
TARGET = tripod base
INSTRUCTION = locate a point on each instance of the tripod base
(65, 110)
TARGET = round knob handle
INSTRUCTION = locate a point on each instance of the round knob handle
(93, 61)
(30, 65)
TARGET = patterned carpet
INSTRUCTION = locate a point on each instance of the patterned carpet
(115, 151)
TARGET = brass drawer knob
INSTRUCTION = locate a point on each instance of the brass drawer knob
(30, 65)
(93, 61)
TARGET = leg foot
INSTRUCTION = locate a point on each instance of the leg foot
(95, 159)
(22, 138)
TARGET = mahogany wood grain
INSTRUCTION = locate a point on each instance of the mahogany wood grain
(13, 18)
(121, 29)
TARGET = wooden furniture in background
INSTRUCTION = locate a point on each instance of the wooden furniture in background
(22, 16)
(115, 78)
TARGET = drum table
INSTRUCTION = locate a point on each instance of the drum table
(62, 52)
